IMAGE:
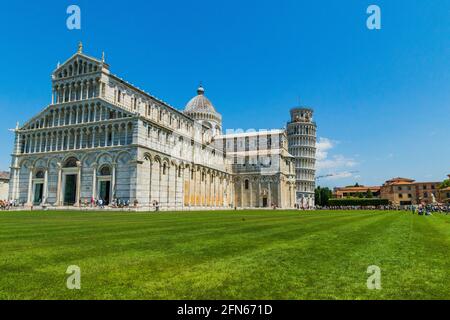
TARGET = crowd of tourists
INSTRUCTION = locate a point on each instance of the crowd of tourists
(102, 203)
(8, 204)
(429, 209)
(381, 207)
(421, 209)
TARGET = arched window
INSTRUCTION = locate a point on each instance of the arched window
(246, 184)
(39, 174)
(71, 162)
(164, 168)
(105, 171)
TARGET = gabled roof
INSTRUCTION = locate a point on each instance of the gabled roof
(399, 181)
(49, 107)
(78, 55)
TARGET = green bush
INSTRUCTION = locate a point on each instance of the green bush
(364, 202)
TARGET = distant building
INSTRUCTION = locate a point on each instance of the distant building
(4, 185)
(356, 191)
(403, 191)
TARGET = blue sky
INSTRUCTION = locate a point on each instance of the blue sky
(381, 98)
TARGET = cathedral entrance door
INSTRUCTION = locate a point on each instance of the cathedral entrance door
(264, 202)
(70, 189)
(105, 191)
(38, 192)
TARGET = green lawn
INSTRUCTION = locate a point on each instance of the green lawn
(224, 255)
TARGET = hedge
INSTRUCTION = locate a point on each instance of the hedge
(364, 202)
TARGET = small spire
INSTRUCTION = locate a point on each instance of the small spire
(200, 90)
(103, 56)
(80, 47)
(17, 125)
(58, 65)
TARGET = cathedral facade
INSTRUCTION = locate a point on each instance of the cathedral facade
(103, 138)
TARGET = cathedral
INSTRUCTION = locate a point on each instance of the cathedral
(103, 138)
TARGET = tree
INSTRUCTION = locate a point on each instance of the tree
(318, 199)
(323, 195)
(369, 194)
(445, 184)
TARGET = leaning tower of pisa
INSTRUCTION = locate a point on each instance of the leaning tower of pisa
(301, 132)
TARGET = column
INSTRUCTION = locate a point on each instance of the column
(69, 142)
(195, 186)
(150, 168)
(77, 203)
(81, 138)
(30, 187)
(242, 192)
(119, 143)
(45, 192)
(280, 205)
(51, 141)
(214, 191)
(82, 114)
(106, 136)
(94, 181)
(112, 135)
(46, 142)
(177, 175)
(76, 114)
(93, 138)
(250, 183)
(113, 180)
(269, 198)
(59, 187)
(57, 141)
(70, 115)
(259, 193)
(183, 189)
(35, 143)
(75, 136)
(26, 145)
(41, 141)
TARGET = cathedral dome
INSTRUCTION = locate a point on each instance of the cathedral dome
(200, 103)
(201, 109)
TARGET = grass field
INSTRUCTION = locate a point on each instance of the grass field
(224, 255)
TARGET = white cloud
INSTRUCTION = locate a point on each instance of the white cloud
(336, 165)
(323, 145)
